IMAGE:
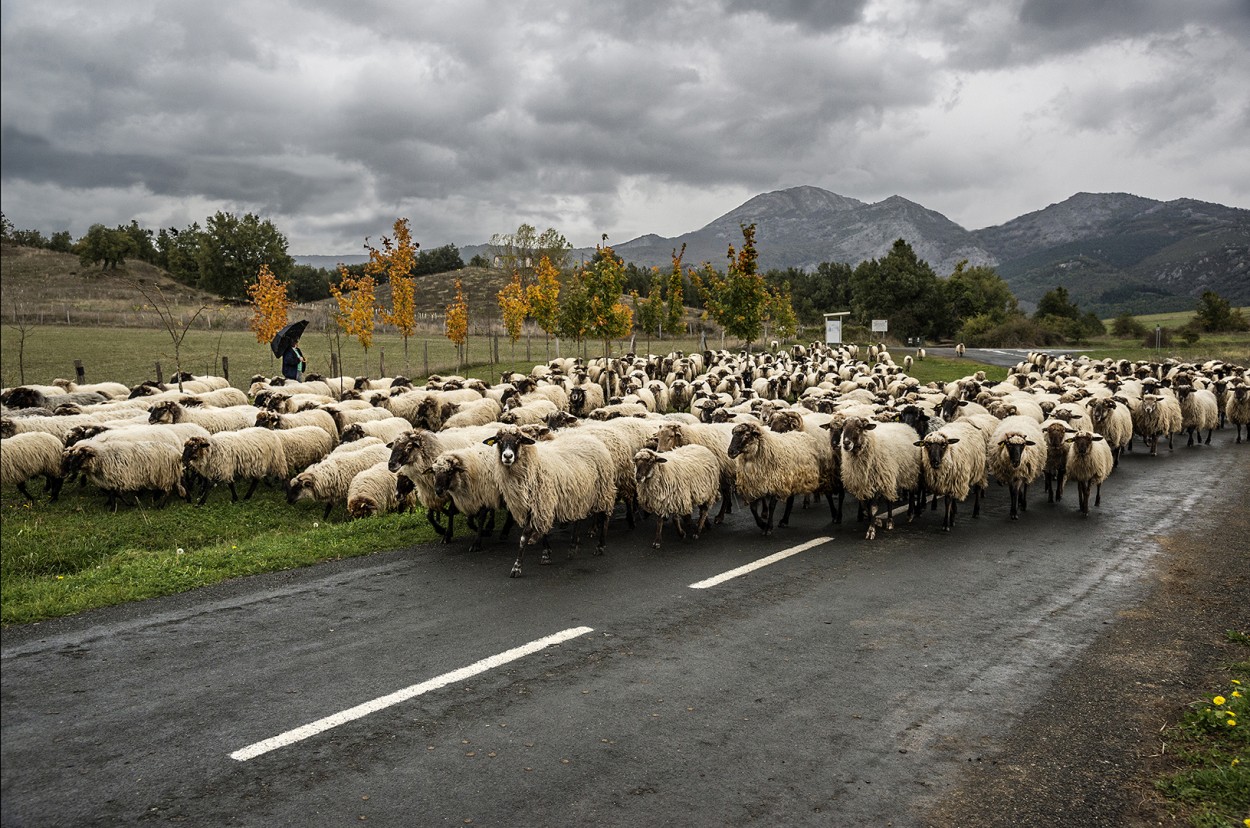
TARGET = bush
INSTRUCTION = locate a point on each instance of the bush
(1164, 339)
(1017, 331)
(1128, 326)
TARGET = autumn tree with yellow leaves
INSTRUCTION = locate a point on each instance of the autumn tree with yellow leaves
(357, 307)
(514, 306)
(738, 300)
(543, 298)
(609, 318)
(394, 263)
(270, 305)
(457, 323)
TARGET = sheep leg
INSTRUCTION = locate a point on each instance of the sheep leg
(679, 521)
(976, 501)
(204, 487)
(702, 524)
(948, 516)
(726, 496)
(326, 514)
(659, 531)
(481, 521)
(770, 506)
(1024, 492)
(872, 520)
(432, 516)
(1015, 502)
(1207, 442)
(759, 521)
(508, 523)
(1190, 432)
(234, 494)
(602, 518)
(785, 517)
(54, 486)
(252, 489)
(1098, 495)
(21, 487)
(629, 512)
(1050, 492)
(1060, 481)
(520, 553)
(576, 538)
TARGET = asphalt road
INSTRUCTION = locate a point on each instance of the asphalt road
(847, 684)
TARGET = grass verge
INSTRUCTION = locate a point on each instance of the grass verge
(1211, 744)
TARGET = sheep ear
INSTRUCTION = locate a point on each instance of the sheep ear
(1097, 437)
(429, 471)
(661, 459)
(918, 443)
(489, 441)
(826, 426)
(528, 441)
(1029, 443)
(870, 426)
(950, 441)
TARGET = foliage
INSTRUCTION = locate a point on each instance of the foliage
(902, 289)
(513, 306)
(781, 313)
(479, 260)
(1215, 313)
(108, 248)
(1016, 331)
(394, 263)
(650, 312)
(574, 308)
(178, 252)
(676, 311)
(977, 291)
(309, 284)
(231, 249)
(144, 248)
(1128, 326)
(1056, 302)
(523, 249)
(609, 318)
(456, 325)
(439, 260)
(357, 310)
(269, 305)
(543, 296)
(738, 300)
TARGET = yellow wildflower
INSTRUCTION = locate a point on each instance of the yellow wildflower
(1218, 700)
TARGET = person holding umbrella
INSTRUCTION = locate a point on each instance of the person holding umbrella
(286, 345)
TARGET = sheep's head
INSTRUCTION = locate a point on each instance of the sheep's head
(77, 459)
(410, 448)
(1055, 432)
(23, 397)
(1014, 444)
(362, 507)
(670, 436)
(194, 448)
(268, 419)
(352, 433)
(1082, 441)
(509, 442)
(299, 487)
(1240, 391)
(67, 410)
(577, 400)
(560, 419)
(745, 438)
(448, 471)
(1183, 392)
(83, 432)
(164, 412)
(786, 420)
(855, 434)
(1100, 409)
(935, 446)
(7, 427)
(645, 462)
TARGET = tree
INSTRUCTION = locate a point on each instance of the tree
(22, 321)
(178, 252)
(513, 307)
(1056, 302)
(61, 242)
(1127, 326)
(675, 311)
(523, 249)
(574, 308)
(781, 313)
(610, 318)
(737, 301)
(357, 310)
(103, 246)
(1215, 313)
(901, 288)
(543, 297)
(439, 260)
(394, 263)
(650, 312)
(457, 323)
(174, 323)
(231, 249)
(270, 305)
(479, 260)
(144, 249)
(977, 291)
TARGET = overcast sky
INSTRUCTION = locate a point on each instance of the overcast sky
(332, 119)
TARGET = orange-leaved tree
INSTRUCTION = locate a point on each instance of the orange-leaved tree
(394, 263)
(676, 311)
(543, 298)
(610, 318)
(513, 305)
(738, 300)
(270, 305)
(457, 323)
(357, 314)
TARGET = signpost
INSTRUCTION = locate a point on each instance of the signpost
(833, 327)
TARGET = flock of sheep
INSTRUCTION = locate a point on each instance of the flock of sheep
(668, 436)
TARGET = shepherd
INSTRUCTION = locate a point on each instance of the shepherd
(286, 345)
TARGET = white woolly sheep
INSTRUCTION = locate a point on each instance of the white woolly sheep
(554, 481)
(303, 446)
(1237, 407)
(673, 484)
(111, 390)
(373, 492)
(128, 468)
(222, 397)
(714, 436)
(328, 480)
(472, 413)
(1111, 418)
(311, 417)
(214, 420)
(953, 465)
(1055, 439)
(830, 460)
(772, 466)
(385, 430)
(1017, 457)
(345, 415)
(880, 465)
(413, 454)
(1089, 465)
(530, 413)
(1158, 414)
(585, 398)
(225, 457)
(1199, 410)
(469, 476)
(34, 454)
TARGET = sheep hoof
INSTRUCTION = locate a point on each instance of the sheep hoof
(655, 545)
(516, 571)
(598, 550)
(693, 536)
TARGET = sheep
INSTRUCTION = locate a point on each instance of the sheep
(616, 410)
(791, 419)
(207, 381)
(622, 438)
(303, 446)
(1157, 415)
(215, 420)
(1111, 418)
(674, 483)
(469, 477)
(953, 465)
(111, 390)
(48, 396)
(122, 468)
(24, 456)
(1199, 410)
(386, 430)
(328, 480)
(556, 481)
(412, 455)
(248, 454)
(959, 350)
(1089, 465)
(1237, 407)
(312, 417)
(1054, 436)
(585, 398)
(221, 398)
(532, 412)
(879, 465)
(373, 492)
(713, 436)
(1017, 457)
(473, 413)
(772, 466)
(59, 427)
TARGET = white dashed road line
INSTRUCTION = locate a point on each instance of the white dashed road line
(762, 562)
(362, 710)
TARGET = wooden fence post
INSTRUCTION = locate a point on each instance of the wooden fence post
(160, 378)
(381, 362)
(334, 365)
(79, 371)
(225, 368)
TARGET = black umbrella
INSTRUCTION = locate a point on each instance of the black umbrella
(283, 338)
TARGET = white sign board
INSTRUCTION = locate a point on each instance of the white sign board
(880, 325)
(833, 331)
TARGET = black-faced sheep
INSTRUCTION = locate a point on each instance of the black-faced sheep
(385, 430)
(715, 437)
(880, 466)
(1237, 407)
(771, 466)
(1017, 457)
(1089, 465)
(1199, 410)
(557, 481)
(310, 417)
(214, 420)
(1055, 438)
(469, 476)
(1158, 415)
(328, 480)
(1111, 419)
(373, 492)
(253, 454)
(413, 454)
(953, 465)
(128, 468)
(673, 484)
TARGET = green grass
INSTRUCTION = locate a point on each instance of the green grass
(1211, 743)
(66, 557)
